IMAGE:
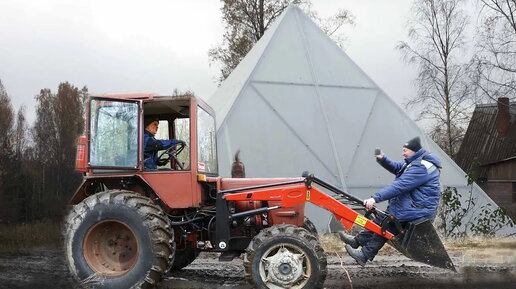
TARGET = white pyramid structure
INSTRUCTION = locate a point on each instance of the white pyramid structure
(297, 102)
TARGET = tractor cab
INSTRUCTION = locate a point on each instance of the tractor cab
(113, 146)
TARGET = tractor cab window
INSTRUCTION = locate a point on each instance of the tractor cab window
(182, 132)
(206, 149)
(114, 134)
(174, 124)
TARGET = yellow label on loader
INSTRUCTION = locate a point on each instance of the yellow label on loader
(361, 221)
(308, 195)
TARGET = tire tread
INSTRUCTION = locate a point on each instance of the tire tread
(152, 217)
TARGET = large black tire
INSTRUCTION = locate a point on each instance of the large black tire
(184, 258)
(285, 256)
(118, 239)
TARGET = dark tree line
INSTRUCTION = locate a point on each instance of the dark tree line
(37, 176)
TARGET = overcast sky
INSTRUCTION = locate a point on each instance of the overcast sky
(160, 45)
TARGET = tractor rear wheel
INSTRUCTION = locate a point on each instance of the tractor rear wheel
(285, 256)
(118, 239)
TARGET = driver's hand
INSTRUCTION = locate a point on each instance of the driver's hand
(182, 142)
(369, 203)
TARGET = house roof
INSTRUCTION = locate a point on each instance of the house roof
(501, 161)
(483, 144)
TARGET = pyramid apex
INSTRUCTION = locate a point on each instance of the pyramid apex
(293, 51)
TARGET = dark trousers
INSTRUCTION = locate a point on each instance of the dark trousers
(371, 243)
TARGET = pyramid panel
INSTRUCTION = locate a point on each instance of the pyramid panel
(268, 146)
(348, 111)
(299, 107)
(285, 58)
(229, 90)
(330, 64)
(388, 128)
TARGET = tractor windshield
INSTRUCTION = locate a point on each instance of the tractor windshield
(207, 149)
(114, 134)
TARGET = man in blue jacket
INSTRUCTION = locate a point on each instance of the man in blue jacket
(413, 194)
(151, 145)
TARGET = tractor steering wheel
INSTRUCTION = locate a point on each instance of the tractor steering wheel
(171, 154)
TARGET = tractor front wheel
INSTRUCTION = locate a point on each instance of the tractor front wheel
(310, 227)
(118, 239)
(285, 256)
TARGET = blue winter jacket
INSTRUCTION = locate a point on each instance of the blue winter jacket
(416, 190)
(151, 146)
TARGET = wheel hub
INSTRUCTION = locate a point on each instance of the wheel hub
(285, 267)
(110, 248)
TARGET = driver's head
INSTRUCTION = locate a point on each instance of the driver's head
(151, 124)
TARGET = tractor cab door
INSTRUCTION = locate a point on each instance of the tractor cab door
(170, 174)
(114, 135)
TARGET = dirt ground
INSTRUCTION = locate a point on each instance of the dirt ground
(477, 266)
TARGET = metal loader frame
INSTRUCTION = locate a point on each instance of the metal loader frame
(417, 241)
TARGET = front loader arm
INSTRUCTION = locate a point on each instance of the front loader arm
(420, 242)
(297, 193)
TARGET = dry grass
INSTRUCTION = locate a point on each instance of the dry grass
(481, 250)
(22, 237)
(331, 243)
(471, 250)
(483, 242)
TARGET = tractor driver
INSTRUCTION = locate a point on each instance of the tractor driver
(414, 194)
(151, 145)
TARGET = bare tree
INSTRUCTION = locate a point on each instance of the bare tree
(15, 195)
(6, 126)
(69, 122)
(247, 20)
(44, 131)
(6, 122)
(495, 60)
(443, 91)
(59, 121)
(20, 133)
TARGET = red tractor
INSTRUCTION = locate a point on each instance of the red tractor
(129, 226)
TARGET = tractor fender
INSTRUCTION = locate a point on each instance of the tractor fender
(92, 184)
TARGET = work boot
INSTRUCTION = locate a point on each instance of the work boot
(348, 239)
(357, 254)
